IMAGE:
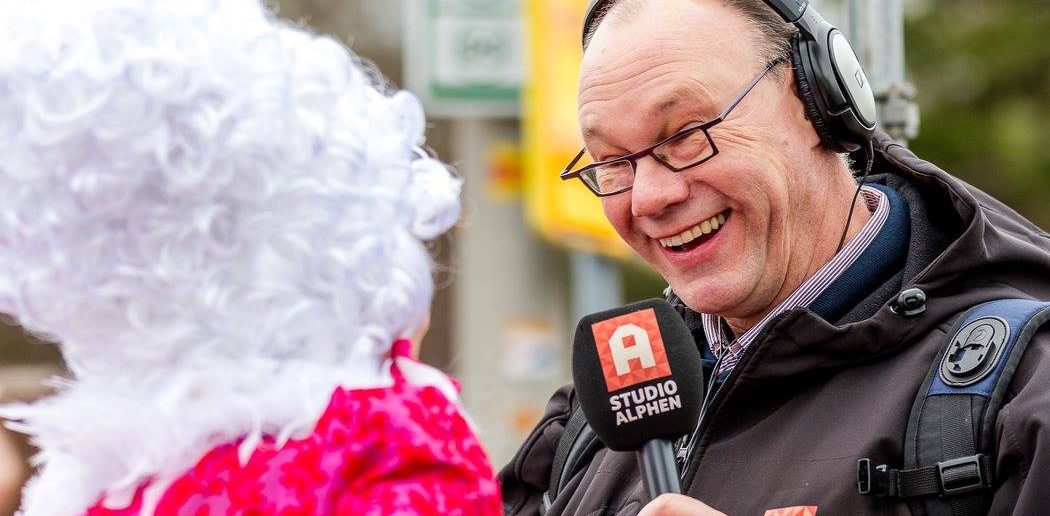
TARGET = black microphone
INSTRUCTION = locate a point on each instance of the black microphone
(637, 375)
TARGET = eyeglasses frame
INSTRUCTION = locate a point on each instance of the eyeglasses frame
(632, 158)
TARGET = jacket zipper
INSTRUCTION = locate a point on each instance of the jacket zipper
(685, 450)
(712, 402)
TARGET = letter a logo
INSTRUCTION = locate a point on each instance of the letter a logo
(631, 349)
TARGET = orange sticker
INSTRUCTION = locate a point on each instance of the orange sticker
(807, 510)
(631, 349)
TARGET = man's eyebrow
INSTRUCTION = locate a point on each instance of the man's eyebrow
(591, 131)
(691, 98)
(667, 104)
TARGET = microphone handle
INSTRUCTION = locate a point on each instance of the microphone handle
(659, 469)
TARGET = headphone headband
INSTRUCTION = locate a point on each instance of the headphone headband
(789, 10)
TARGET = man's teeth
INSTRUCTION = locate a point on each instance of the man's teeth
(704, 228)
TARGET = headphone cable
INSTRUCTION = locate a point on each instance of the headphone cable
(869, 158)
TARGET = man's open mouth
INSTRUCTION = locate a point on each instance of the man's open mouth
(695, 236)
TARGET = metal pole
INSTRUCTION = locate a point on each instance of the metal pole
(596, 283)
(876, 29)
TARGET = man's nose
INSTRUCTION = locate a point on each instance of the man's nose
(656, 188)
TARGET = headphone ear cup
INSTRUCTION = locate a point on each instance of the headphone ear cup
(805, 93)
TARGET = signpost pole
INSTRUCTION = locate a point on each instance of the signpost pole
(876, 29)
(596, 283)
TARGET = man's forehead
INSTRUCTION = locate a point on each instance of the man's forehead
(706, 20)
(668, 59)
(684, 100)
(705, 37)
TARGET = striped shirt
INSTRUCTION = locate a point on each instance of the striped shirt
(729, 352)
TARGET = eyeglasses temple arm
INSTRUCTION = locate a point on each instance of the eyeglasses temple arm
(725, 112)
(568, 168)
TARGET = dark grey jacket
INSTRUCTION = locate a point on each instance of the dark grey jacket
(809, 398)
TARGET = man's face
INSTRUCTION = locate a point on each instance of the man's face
(674, 64)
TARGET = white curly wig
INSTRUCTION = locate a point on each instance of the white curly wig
(217, 216)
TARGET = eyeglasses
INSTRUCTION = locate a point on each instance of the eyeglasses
(682, 150)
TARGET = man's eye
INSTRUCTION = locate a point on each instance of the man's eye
(681, 138)
(614, 175)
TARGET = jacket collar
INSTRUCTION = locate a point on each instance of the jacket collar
(964, 248)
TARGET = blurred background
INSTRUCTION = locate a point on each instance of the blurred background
(965, 82)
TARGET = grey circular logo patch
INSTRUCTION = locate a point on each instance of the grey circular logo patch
(974, 351)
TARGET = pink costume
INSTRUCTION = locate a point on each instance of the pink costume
(402, 449)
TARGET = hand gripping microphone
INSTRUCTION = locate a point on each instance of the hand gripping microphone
(638, 379)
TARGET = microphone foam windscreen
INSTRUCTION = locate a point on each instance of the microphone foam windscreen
(637, 374)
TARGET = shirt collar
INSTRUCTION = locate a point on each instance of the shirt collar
(729, 350)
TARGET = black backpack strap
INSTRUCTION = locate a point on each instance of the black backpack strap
(949, 446)
(577, 445)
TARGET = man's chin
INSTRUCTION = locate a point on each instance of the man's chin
(706, 297)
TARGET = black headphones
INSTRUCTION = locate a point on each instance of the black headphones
(834, 90)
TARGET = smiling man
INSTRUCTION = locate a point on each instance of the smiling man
(716, 138)
(774, 200)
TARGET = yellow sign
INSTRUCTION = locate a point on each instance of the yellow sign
(564, 212)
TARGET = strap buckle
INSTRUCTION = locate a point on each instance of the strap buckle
(872, 481)
(944, 479)
(961, 475)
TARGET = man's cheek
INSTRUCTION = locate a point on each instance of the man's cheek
(618, 213)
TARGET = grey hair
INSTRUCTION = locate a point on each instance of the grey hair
(773, 34)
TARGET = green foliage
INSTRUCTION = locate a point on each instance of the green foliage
(982, 71)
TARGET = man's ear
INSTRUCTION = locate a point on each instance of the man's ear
(796, 112)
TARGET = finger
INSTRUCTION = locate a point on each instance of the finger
(677, 505)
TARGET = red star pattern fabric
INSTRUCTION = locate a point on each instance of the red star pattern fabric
(802, 510)
(387, 451)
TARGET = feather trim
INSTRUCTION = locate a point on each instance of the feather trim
(103, 437)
